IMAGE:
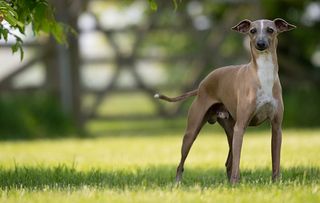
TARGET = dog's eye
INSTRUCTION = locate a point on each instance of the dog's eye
(270, 30)
(254, 30)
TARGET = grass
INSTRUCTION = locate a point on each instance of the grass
(141, 168)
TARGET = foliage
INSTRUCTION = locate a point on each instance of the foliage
(21, 13)
(38, 116)
(301, 108)
(154, 6)
(142, 169)
(305, 37)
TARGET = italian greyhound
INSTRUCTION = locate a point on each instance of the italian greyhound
(240, 96)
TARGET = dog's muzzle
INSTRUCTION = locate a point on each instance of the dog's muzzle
(261, 45)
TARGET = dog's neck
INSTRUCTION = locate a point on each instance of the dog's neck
(266, 67)
(265, 56)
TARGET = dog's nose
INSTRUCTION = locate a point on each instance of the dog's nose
(261, 45)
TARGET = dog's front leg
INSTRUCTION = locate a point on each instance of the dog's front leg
(276, 123)
(238, 132)
(276, 140)
(245, 110)
(276, 149)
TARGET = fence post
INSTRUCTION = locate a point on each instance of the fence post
(69, 64)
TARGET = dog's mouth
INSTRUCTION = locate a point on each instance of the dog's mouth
(261, 48)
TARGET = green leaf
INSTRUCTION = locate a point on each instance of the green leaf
(14, 48)
(40, 17)
(153, 5)
(38, 13)
(20, 25)
(10, 19)
(21, 52)
(5, 34)
(58, 32)
(18, 47)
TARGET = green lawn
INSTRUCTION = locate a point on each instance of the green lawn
(141, 168)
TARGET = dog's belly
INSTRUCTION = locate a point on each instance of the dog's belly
(264, 112)
(266, 107)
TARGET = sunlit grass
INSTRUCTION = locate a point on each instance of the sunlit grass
(141, 168)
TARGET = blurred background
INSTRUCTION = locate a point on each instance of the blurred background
(125, 51)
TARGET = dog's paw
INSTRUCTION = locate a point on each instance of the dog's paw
(156, 96)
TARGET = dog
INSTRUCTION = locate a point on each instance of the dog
(239, 96)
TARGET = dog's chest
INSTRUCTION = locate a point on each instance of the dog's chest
(265, 102)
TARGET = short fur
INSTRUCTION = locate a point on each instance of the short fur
(240, 96)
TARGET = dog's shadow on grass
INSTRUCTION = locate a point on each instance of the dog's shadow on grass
(61, 177)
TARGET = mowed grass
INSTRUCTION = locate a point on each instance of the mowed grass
(141, 168)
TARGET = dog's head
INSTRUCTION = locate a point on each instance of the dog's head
(263, 33)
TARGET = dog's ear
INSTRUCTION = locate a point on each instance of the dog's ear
(242, 27)
(282, 25)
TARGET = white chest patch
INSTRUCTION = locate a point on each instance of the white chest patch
(266, 75)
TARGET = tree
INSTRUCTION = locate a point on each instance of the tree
(20, 13)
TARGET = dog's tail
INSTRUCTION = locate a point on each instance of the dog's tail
(178, 98)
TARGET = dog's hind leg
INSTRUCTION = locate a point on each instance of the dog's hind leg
(228, 125)
(196, 119)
